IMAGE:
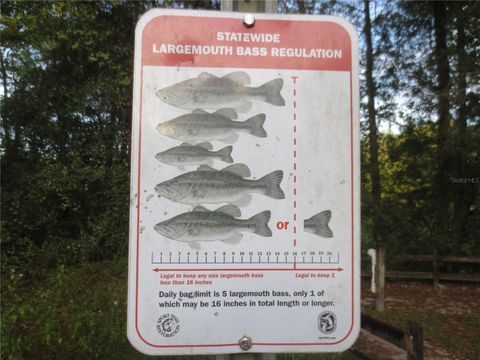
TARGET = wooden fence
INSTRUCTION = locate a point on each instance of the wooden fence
(436, 275)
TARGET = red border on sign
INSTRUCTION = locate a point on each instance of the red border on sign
(235, 344)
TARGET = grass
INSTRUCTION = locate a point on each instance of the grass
(73, 313)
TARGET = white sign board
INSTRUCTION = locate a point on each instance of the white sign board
(245, 183)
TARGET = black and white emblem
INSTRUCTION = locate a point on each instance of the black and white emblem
(168, 325)
(327, 322)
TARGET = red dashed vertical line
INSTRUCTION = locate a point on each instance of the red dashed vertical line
(294, 79)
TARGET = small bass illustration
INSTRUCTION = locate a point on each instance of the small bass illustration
(187, 154)
(207, 185)
(204, 126)
(202, 224)
(208, 91)
(318, 224)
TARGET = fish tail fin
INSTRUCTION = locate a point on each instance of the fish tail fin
(261, 223)
(271, 182)
(255, 125)
(271, 91)
(226, 154)
(320, 222)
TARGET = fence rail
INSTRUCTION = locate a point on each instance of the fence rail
(442, 259)
(435, 274)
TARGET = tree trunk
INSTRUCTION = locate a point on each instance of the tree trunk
(301, 6)
(462, 191)
(3, 68)
(373, 140)
(372, 126)
(442, 181)
(6, 122)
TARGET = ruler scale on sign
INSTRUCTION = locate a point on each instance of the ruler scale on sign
(245, 183)
(211, 258)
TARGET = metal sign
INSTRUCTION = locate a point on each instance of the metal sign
(245, 183)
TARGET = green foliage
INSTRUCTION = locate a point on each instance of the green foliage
(62, 320)
(66, 140)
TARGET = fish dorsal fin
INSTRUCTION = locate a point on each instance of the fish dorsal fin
(205, 145)
(200, 208)
(206, 168)
(227, 112)
(205, 75)
(240, 77)
(185, 144)
(230, 209)
(199, 111)
(238, 169)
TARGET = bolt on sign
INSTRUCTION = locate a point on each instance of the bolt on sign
(245, 183)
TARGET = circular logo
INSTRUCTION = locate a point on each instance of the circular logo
(327, 322)
(168, 325)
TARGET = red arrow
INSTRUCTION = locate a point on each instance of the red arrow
(254, 269)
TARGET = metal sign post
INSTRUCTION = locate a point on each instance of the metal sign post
(248, 6)
(244, 222)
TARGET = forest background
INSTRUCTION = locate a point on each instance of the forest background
(66, 96)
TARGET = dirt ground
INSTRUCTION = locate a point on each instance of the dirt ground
(449, 315)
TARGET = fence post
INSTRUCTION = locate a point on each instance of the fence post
(436, 273)
(373, 259)
(414, 341)
(380, 278)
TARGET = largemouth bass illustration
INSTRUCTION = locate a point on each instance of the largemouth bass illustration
(204, 126)
(187, 154)
(202, 224)
(207, 185)
(208, 91)
(318, 224)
